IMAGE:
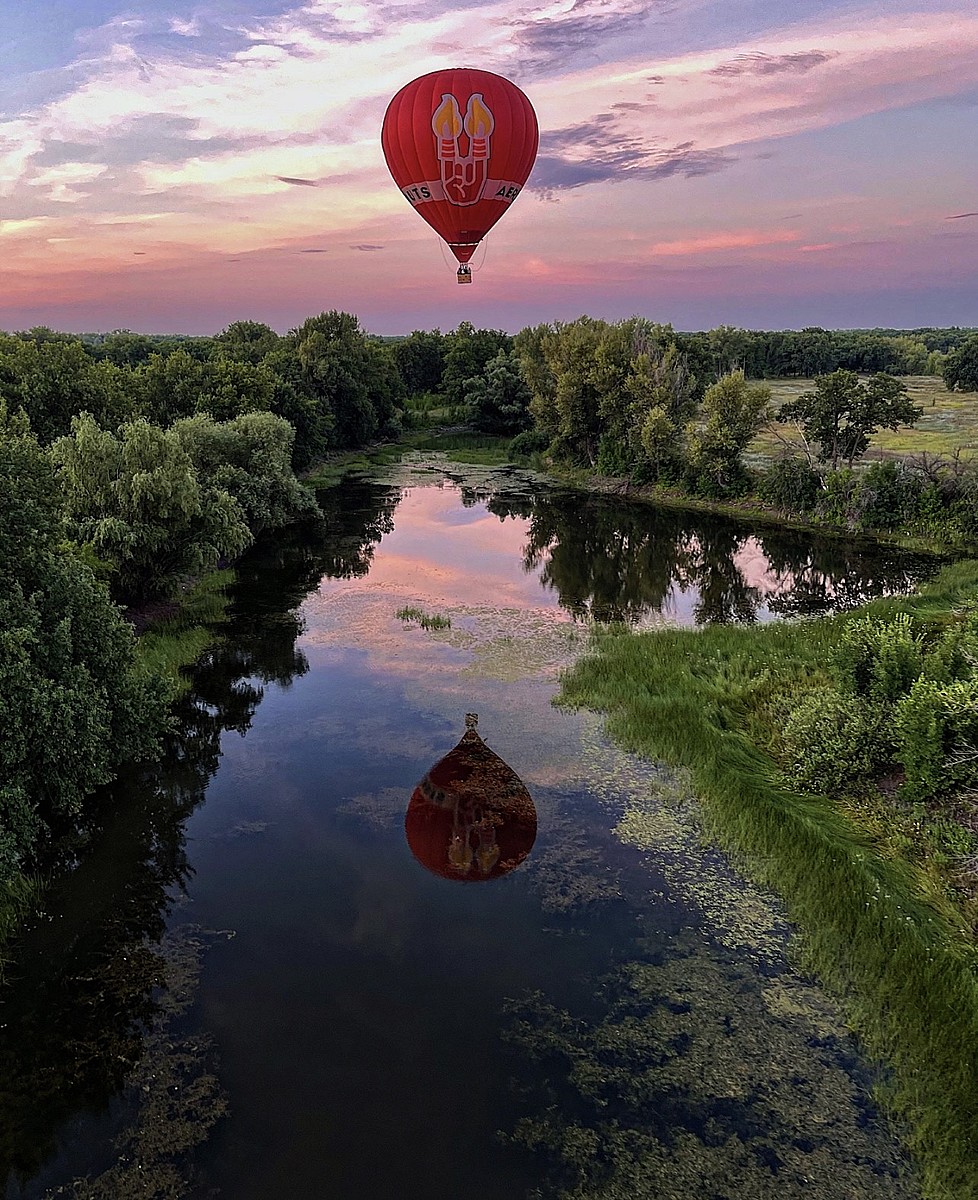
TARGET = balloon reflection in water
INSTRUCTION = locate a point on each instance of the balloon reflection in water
(471, 817)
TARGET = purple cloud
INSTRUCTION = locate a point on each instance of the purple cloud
(596, 151)
(759, 63)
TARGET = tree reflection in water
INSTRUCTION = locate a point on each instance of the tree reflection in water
(83, 989)
(614, 561)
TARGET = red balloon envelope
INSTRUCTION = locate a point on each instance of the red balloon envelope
(460, 145)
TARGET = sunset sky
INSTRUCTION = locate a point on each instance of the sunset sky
(765, 163)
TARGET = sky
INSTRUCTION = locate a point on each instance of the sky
(170, 166)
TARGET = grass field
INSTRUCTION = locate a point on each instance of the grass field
(949, 423)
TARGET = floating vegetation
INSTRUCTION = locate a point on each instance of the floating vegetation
(668, 1092)
(172, 1097)
(569, 872)
(417, 616)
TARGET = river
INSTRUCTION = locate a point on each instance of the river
(246, 982)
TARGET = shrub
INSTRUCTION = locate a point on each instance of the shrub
(890, 495)
(937, 738)
(791, 484)
(834, 741)
(879, 660)
(532, 441)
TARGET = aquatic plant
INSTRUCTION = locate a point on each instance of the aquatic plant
(664, 1089)
(418, 616)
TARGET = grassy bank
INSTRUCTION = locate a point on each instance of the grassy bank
(184, 629)
(878, 929)
(18, 895)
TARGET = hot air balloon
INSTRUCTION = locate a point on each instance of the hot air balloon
(460, 145)
(471, 817)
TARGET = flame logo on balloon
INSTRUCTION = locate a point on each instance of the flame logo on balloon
(471, 818)
(463, 176)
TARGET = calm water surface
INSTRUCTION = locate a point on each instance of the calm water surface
(248, 987)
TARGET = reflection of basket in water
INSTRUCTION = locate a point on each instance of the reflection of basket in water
(471, 817)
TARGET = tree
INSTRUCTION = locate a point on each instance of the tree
(54, 379)
(72, 704)
(663, 396)
(137, 501)
(250, 458)
(466, 355)
(733, 411)
(842, 413)
(420, 358)
(960, 368)
(354, 381)
(246, 341)
(499, 398)
(728, 345)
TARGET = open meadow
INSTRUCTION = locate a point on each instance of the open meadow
(949, 423)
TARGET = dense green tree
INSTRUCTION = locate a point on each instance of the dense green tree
(229, 388)
(294, 400)
(136, 499)
(728, 345)
(170, 386)
(467, 352)
(246, 341)
(616, 396)
(960, 369)
(499, 398)
(71, 702)
(663, 392)
(250, 458)
(54, 379)
(842, 413)
(125, 348)
(351, 379)
(420, 359)
(732, 413)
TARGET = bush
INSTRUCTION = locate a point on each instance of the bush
(890, 496)
(937, 738)
(524, 445)
(615, 457)
(791, 484)
(879, 660)
(834, 741)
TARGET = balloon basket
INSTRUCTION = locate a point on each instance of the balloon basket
(464, 274)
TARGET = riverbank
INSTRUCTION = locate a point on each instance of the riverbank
(171, 637)
(865, 881)
(469, 447)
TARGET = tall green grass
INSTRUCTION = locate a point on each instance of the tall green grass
(176, 642)
(873, 927)
(18, 895)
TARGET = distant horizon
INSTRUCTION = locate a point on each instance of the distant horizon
(182, 164)
(282, 332)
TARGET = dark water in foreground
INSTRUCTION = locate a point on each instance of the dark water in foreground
(248, 986)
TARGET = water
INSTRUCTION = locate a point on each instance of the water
(249, 987)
